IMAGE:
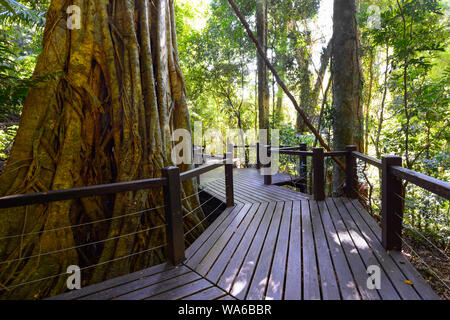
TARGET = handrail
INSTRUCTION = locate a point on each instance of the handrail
(82, 192)
(246, 146)
(335, 154)
(292, 153)
(201, 170)
(438, 187)
(368, 159)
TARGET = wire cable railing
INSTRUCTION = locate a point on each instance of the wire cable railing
(81, 224)
(202, 221)
(82, 245)
(8, 288)
(410, 227)
(200, 206)
(423, 262)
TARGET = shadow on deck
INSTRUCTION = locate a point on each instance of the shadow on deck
(275, 244)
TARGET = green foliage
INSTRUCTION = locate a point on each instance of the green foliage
(7, 135)
(21, 26)
(415, 122)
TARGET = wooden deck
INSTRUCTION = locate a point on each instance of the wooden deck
(275, 244)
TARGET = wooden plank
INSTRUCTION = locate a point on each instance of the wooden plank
(231, 271)
(254, 216)
(411, 273)
(311, 289)
(215, 250)
(252, 186)
(387, 291)
(183, 291)
(161, 287)
(207, 233)
(293, 290)
(212, 293)
(257, 287)
(76, 294)
(137, 284)
(393, 272)
(245, 274)
(328, 281)
(255, 192)
(275, 285)
(351, 252)
(265, 193)
(195, 258)
(420, 284)
(219, 188)
(227, 297)
(344, 275)
(269, 193)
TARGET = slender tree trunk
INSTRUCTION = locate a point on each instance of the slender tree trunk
(263, 75)
(279, 110)
(107, 116)
(369, 101)
(305, 86)
(346, 82)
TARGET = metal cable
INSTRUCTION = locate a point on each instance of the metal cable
(423, 262)
(80, 225)
(410, 203)
(195, 194)
(196, 226)
(81, 246)
(188, 214)
(85, 268)
(424, 237)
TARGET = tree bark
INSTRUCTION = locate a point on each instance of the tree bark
(346, 82)
(107, 116)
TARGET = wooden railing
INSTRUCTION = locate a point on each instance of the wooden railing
(393, 175)
(171, 182)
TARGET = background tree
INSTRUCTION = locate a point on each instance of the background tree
(346, 76)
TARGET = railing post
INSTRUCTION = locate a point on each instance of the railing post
(318, 166)
(258, 158)
(392, 208)
(268, 176)
(229, 187)
(302, 169)
(351, 173)
(174, 218)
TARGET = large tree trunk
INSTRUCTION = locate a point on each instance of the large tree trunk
(346, 82)
(107, 116)
(263, 75)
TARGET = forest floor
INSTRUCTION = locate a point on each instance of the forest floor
(432, 264)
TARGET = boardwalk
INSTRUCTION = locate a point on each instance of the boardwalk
(275, 244)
